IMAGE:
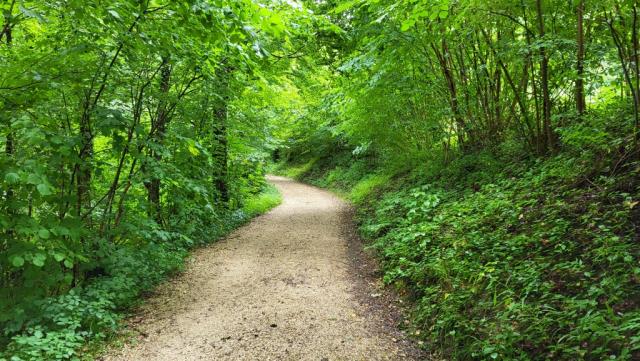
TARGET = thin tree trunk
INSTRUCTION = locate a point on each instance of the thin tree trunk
(222, 154)
(544, 82)
(636, 61)
(161, 122)
(221, 175)
(9, 151)
(443, 59)
(9, 145)
(633, 88)
(580, 96)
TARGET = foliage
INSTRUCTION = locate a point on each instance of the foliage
(492, 147)
(58, 326)
(129, 133)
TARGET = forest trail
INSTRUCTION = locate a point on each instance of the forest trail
(284, 287)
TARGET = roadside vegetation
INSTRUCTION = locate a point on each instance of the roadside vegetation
(129, 136)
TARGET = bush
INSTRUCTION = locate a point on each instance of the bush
(59, 326)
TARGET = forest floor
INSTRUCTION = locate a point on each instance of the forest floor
(294, 284)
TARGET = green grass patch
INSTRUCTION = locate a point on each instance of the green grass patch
(366, 186)
(295, 171)
(262, 202)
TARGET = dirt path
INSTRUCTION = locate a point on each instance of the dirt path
(284, 287)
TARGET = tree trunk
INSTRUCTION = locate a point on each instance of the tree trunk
(9, 145)
(444, 58)
(633, 87)
(580, 97)
(636, 61)
(544, 82)
(9, 151)
(222, 153)
(83, 173)
(159, 129)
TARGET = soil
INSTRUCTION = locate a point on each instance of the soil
(294, 284)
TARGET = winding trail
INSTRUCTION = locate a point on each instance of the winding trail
(283, 287)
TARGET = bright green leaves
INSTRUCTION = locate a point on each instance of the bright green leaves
(38, 259)
(270, 21)
(44, 189)
(12, 178)
(17, 261)
(42, 185)
(193, 147)
(44, 233)
(408, 24)
(421, 10)
(58, 257)
(346, 6)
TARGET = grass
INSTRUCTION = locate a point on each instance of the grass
(262, 202)
(296, 171)
(367, 185)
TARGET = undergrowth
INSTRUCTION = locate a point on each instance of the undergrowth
(59, 328)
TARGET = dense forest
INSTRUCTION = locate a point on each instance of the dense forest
(491, 149)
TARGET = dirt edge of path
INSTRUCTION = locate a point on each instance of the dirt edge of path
(382, 301)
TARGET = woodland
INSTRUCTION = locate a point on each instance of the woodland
(490, 148)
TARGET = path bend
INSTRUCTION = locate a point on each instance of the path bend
(280, 288)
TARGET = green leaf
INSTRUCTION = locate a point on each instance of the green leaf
(34, 179)
(17, 261)
(43, 233)
(38, 259)
(44, 189)
(345, 6)
(30, 14)
(68, 263)
(408, 24)
(11, 178)
(193, 149)
(58, 256)
(114, 14)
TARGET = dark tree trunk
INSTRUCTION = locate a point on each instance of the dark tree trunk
(9, 145)
(83, 172)
(580, 97)
(544, 82)
(636, 62)
(159, 129)
(222, 154)
(444, 59)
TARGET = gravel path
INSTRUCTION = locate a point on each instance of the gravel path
(284, 287)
